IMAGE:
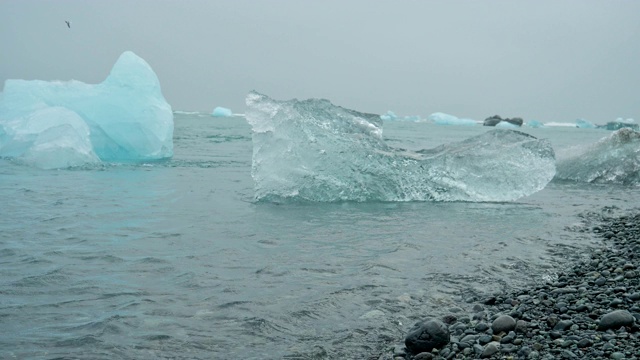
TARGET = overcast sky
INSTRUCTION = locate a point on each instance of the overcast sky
(546, 60)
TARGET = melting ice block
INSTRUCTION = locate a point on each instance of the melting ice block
(535, 124)
(389, 115)
(613, 159)
(312, 150)
(221, 112)
(584, 124)
(446, 119)
(60, 124)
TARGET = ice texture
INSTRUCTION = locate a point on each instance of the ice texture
(534, 124)
(584, 124)
(389, 115)
(613, 159)
(506, 125)
(221, 112)
(312, 150)
(60, 124)
(446, 119)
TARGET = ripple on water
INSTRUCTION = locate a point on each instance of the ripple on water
(48, 278)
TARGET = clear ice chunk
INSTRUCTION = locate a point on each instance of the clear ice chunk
(312, 150)
(613, 159)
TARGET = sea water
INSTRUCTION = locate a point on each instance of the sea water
(176, 260)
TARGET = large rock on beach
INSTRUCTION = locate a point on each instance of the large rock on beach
(504, 323)
(426, 336)
(615, 320)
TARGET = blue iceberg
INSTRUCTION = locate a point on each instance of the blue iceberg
(312, 150)
(389, 115)
(613, 159)
(621, 123)
(221, 112)
(446, 119)
(584, 124)
(61, 124)
(534, 124)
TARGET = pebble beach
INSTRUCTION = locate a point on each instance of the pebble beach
(590, 311)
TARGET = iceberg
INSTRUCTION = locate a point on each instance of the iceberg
(534, 124)
(414, 118)
(389, 115)
(506, 125)
(312, 150)
(584, 124)
(221, 112)
(446, 119)
(61, 124)
(621, 123)
(613, 159)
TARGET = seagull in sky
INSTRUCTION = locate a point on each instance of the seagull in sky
(68, 24)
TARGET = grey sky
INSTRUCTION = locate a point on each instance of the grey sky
(545, 60)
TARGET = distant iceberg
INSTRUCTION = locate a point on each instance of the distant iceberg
(312, 150)
(221, 112)
(613, 159)
(61, 124)
(559, 124)
(389, 115)
(621, 123)
(584, 124)
(446, 119)
(414, 118)
(534, 124)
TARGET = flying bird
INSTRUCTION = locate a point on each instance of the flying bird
(68, 24)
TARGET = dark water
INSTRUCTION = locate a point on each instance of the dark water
(175, 260)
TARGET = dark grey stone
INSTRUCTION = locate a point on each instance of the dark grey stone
(484, 339)
(490, 349)
(424, 356)
(563, 325)
(515, 121)
(504, 323)
(585, 343)
(426, 336)
(615, 320)
(492, 121)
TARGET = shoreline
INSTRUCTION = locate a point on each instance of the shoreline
(590, 311)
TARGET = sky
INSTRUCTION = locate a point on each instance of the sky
(545, 60)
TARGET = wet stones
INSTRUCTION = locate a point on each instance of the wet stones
(426, 336)
(592, 310)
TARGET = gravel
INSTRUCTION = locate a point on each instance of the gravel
(592, 311)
